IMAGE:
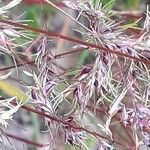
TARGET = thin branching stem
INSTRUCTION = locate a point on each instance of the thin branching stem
(54, 57)
(56, 35)
(24, 140)
(95, 134)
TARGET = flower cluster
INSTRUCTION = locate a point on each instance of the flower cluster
(97, 99)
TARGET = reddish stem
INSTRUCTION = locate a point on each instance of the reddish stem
(66, 123)
(56, 35)
(39, 2)
(103, 110)
(13, 66)
(70, 52)
(55, 57)
(24, 140)
(130, 14)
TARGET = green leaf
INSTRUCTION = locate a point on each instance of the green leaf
(109, 5)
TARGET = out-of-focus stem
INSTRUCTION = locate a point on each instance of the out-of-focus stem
(24, 140)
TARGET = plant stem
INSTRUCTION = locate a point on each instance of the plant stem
(56, 35)
(24, 140)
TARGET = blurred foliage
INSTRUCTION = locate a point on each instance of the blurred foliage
(32, 14)
(35, 14)
(132, 4)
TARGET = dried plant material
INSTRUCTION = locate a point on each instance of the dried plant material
(7, 111)
(10, 5)
(104, 102)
